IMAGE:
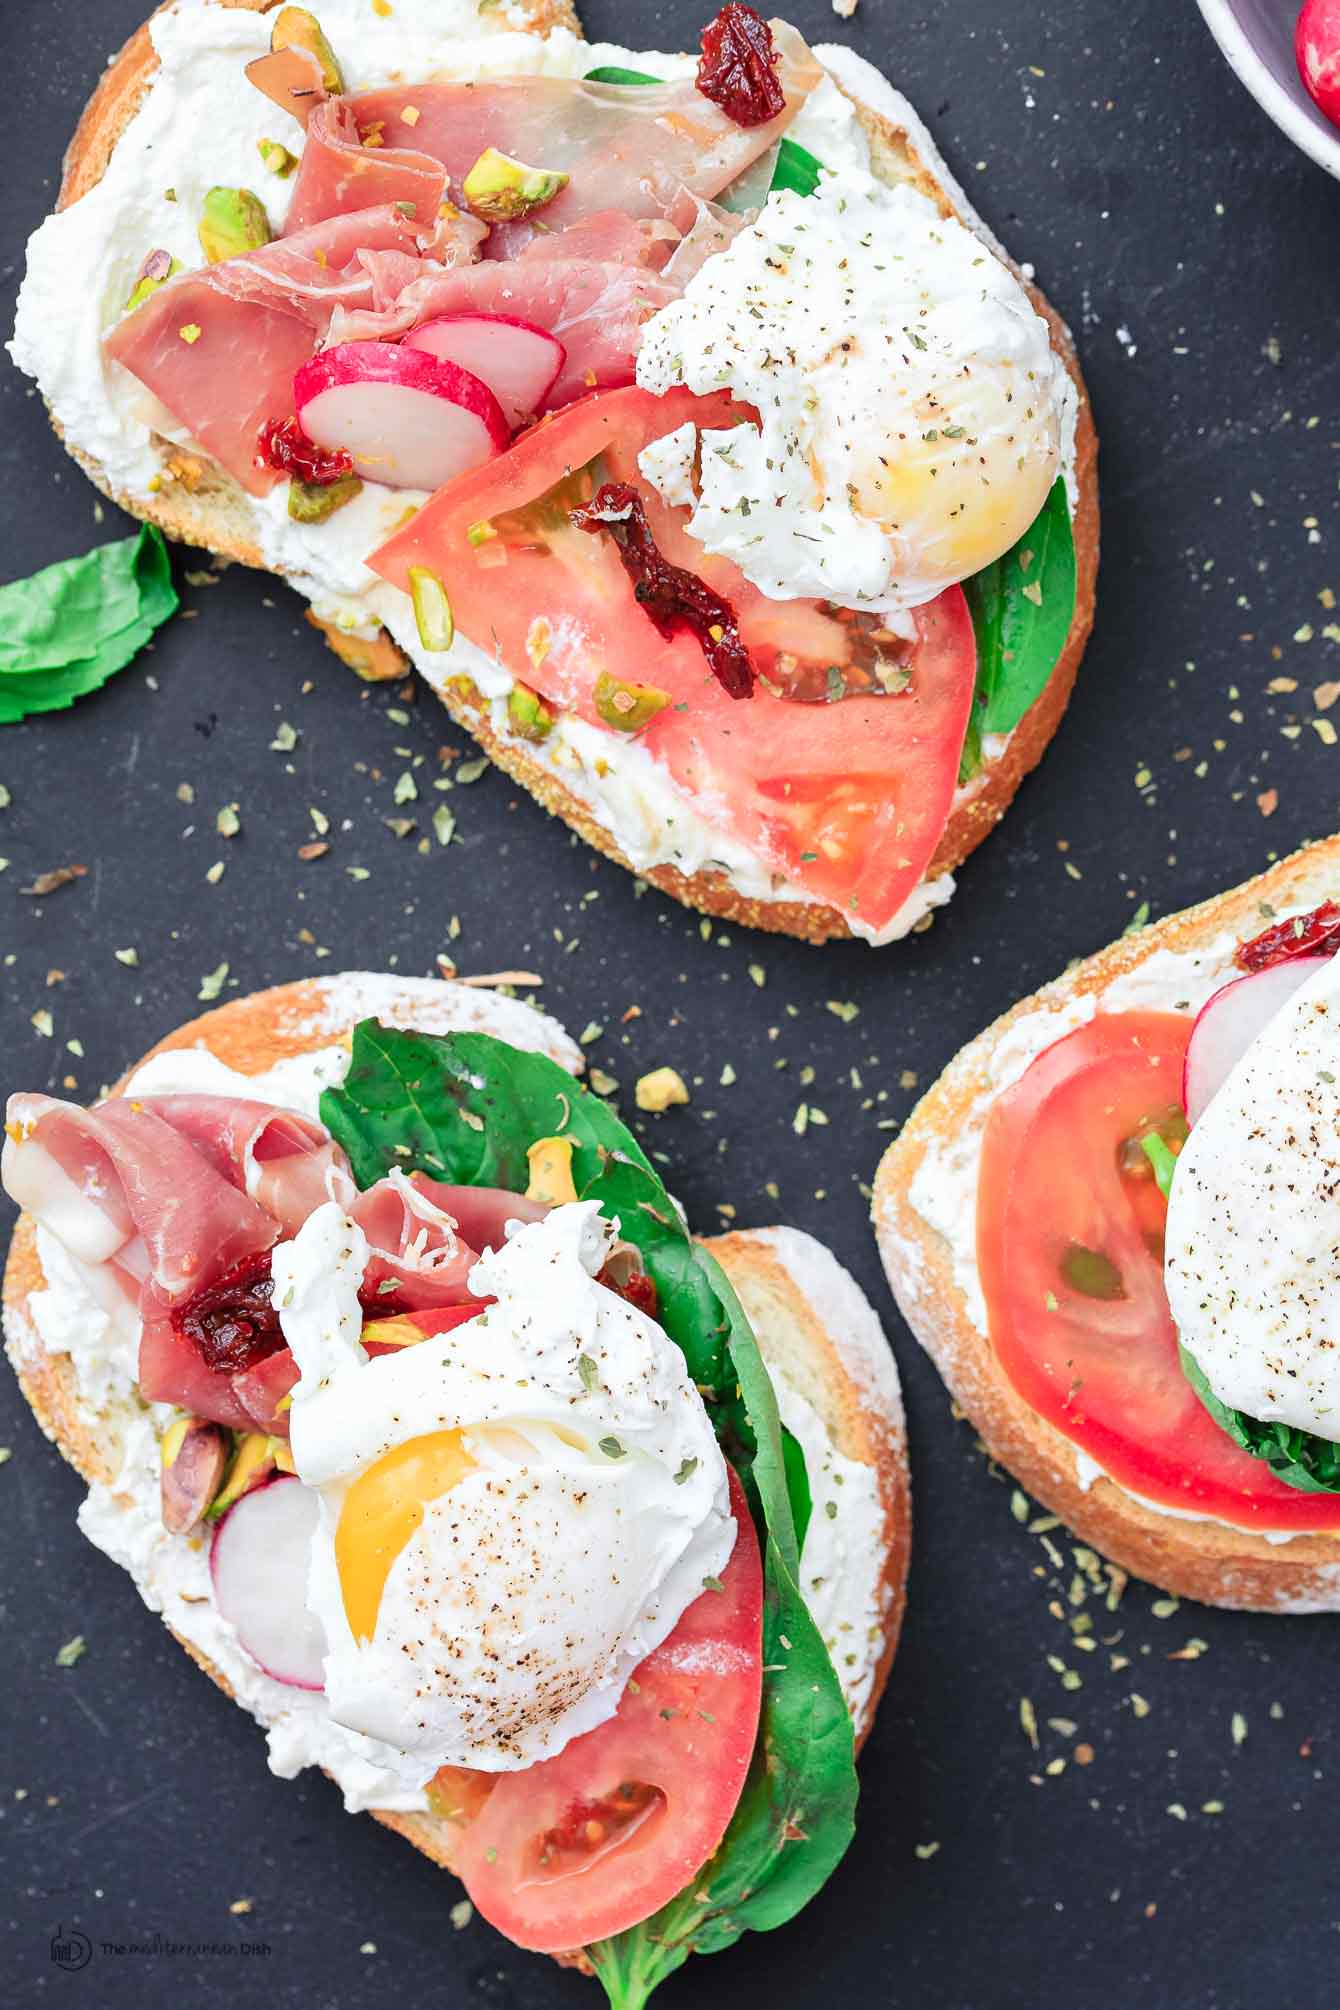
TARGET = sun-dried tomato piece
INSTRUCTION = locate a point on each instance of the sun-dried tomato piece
(282, 444)
(1315, 934)
(738, 70)
(635, 1288)
(233, 1323)
(672, 597)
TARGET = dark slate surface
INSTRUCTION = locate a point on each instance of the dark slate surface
(1192, 250)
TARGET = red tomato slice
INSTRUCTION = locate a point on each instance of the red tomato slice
(848, 799)
(1067, 1219)
(586, 1844)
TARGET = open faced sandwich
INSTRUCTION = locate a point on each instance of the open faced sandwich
(1113, 1225)
(570, 1547)
(675, 415)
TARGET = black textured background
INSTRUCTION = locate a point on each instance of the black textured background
(1194, 253)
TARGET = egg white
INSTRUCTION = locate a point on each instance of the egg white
(596, 1506)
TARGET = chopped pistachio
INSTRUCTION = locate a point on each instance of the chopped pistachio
(501, 189)
(232, 221)
(627, 707)
(296, 28)
(277, 158)
(432, 609)
(317, 502)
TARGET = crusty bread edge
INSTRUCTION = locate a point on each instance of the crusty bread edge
(1196, 1559)
(200, 505)
(250, 1034)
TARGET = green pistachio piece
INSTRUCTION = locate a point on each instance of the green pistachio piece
(277, 158)
(527, 713)
(628, 707)
(313, 502)
(157, 269)
(232, 221)
(501, 189)
(295, 28)
(432, 609)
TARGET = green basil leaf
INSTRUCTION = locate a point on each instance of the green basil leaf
(1299, 1458)
(797, 168)
(73, 625)
(1163, 1160)
(797, 1485)
(794, 1820)
(1022, 607)
(614, 73)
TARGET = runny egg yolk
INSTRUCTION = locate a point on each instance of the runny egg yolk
(965, 476)
(381, 1513)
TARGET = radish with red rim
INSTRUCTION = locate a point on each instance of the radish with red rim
(1231, 1020)
(258, 1563)
(519, 362)
(409, 420)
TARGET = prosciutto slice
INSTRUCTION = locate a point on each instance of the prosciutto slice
(219, 347)
(125, 1173)
(158, 1198)
(418, 1257)
(595, 307)
(338, 173)
(631, 147)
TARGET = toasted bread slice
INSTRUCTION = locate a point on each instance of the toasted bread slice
(1207, 1560)
(812, 1321)
(201, 505)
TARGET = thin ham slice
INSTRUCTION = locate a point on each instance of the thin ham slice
(418, 1259)
(595, 308)
(291, 79)
(481, 1213)
(627, 147)
(338, 173)
(171, 1371)
(142, 1177)
(219, 347)
(261, 1390)
(283, 1160)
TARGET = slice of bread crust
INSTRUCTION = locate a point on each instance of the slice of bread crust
(829, 1344)
(201, 505)
(1196, 1559)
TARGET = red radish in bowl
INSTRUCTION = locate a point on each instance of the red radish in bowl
(410, 421)
(258, 1562)
(519, 362)
(1231, 1020)
(1317, 47)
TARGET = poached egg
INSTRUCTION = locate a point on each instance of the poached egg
(513, 1514)
(1252, 1248)
(911, 409)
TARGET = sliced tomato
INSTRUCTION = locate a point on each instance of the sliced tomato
(586, 1844)
(1070, 1253)
(847, 799)
(406, 1329)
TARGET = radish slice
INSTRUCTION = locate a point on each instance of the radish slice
(410, 421)
(1231, 1020)
(258, 1562)
(518, 361)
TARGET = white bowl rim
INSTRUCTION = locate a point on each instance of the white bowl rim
(1322, 146)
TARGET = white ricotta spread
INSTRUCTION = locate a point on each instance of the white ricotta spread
(1254, 1221)
(842, 1554)
(199, 125)
(944, 1189)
